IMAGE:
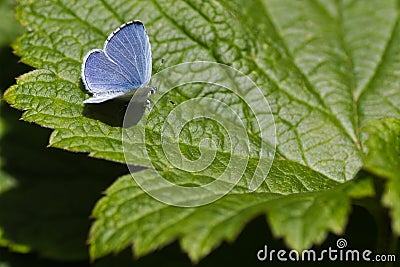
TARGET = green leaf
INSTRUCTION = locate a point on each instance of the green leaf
(383, 160)
(306, 218)
(323, 72)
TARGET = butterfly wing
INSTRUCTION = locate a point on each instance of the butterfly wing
(103, 77)
(123, 65)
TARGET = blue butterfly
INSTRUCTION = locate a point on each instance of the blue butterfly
(123, 65)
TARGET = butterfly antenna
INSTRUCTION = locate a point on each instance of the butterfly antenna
(159, 67)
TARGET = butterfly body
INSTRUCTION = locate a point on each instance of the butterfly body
(123, 65)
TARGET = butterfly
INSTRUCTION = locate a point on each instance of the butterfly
(122, 66)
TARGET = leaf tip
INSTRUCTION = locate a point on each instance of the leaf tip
(9, 95)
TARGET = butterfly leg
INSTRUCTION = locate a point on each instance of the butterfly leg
(147, 104)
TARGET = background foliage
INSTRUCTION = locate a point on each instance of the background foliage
(306, 66)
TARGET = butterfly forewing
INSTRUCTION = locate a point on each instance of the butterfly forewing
(129, 46)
